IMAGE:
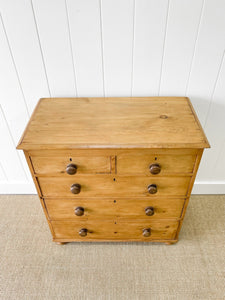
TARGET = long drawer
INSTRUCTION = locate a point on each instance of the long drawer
(108, 230)
(83, 209)
(100, 186)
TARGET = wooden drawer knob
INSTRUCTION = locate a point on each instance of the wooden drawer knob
(146, 232)
(71, 169)
(149, 211)
(154, 169)
(83, 232)
(75, 188)
(152, 188)
(79, 211)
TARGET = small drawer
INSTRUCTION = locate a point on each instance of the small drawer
(109, 231)
(71, 165)
(109, 186)
(83, 209)
(147, 162)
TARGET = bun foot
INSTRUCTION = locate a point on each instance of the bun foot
(61, 243)
(171, 242)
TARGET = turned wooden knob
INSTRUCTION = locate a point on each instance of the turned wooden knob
(149, 211)
(71, 169)
(146, 232)
(154, 169)
(75, 188)
(79, 211)
(152, 188)
(83, 232)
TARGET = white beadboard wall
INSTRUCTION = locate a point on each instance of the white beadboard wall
(79, 48)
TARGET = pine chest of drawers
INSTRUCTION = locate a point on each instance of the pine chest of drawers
(114, 169)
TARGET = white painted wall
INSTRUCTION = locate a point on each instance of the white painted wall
(51, 48)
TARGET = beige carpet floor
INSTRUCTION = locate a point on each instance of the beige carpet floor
(33, 267)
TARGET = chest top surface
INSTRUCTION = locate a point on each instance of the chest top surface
(137, 122)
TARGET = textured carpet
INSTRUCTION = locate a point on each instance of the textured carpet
(33, 267)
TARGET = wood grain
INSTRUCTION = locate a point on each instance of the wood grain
(57, 165)
(113, 192)
(197, 162)
(152, 122)
(105, 185)
(59, 209)
(138, 162)
(108, 230)
(109, 152)
(39, 191)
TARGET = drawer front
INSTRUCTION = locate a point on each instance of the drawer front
(61, 165)
(143, 162)
(100, 186)
(83, 209)
(108, 230)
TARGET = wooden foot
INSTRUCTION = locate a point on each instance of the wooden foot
(61, 243)
(171, 242)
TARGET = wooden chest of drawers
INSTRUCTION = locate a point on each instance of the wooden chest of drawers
(114, 169)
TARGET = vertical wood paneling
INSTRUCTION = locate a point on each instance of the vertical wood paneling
(25, 49)
(220, 164)
(2, 174)
(11, 96)
(52, 24)
(207, 57)
(84, 22)
(13, 104)
(10, 160)
(215, 127)
(182, 28)
(148, 45)
(117, 33)
(111, 48)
